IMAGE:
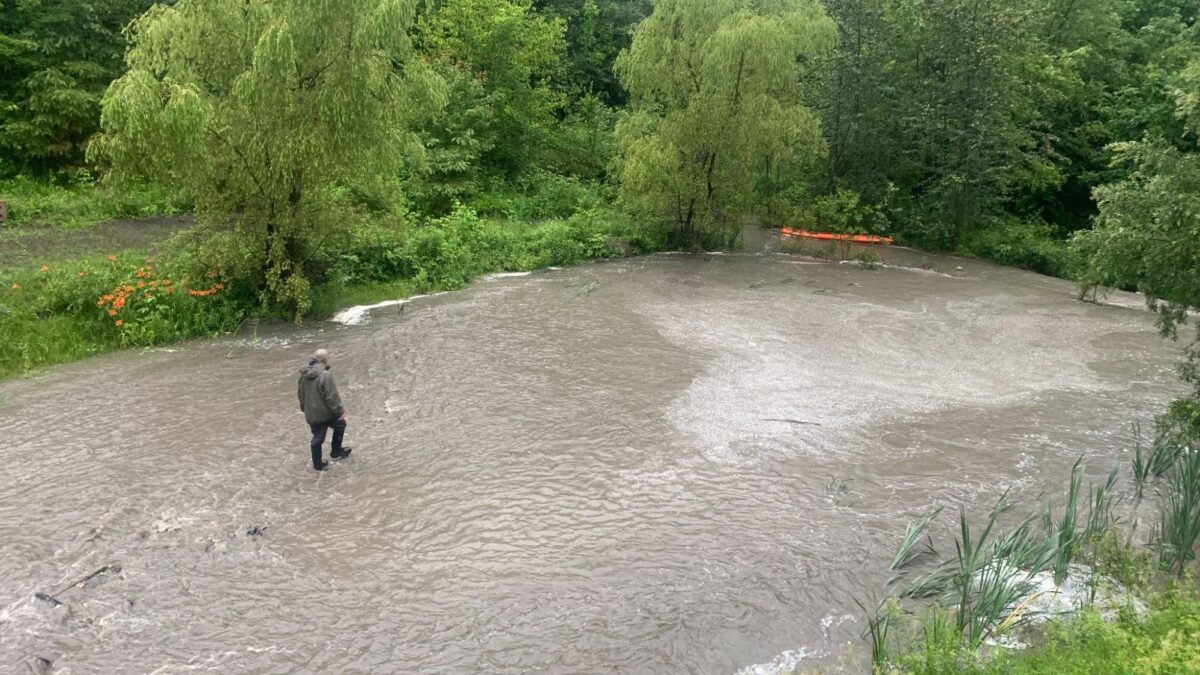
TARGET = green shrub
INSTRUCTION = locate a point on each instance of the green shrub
(69, 310)
(540, 195)
(1029, 245)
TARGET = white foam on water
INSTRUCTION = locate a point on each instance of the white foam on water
(783, 664)
(504, 275)
(358, 315)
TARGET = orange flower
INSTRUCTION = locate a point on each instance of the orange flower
(166, 282)
(83, 274)
(149, 296)
(219, 286)
(100, 303)
(141, 284)
(118, 322)
(112, 312)
(153, 284)
(170, 291)
(119, 302)
(112, 258)
(43, 268)
(16, 285)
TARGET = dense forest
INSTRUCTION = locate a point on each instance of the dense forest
(1058, 135)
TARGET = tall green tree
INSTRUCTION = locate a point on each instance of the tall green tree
(56, 59)
(512, 53)
(716, 90)
(260, 109)
(597, 31)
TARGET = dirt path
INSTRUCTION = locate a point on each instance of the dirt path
(33, 245)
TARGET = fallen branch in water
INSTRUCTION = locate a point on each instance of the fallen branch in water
(52, 597)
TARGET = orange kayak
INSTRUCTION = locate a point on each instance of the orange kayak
(830, 236)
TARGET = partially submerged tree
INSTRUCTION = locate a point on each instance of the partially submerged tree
(716, 88)
(1147, 236)
(259, 110)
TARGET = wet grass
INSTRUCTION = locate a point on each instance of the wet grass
(80, 203)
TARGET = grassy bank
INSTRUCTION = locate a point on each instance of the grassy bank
(64, 310)
(76, 201)
(1164, 639)
(1112, 605)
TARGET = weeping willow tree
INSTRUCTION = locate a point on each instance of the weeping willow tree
(259, 110)
(716, 88)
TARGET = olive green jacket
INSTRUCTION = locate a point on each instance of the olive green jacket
(318, 394)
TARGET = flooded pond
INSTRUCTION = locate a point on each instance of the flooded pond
(665, 464)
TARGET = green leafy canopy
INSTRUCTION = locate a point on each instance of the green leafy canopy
(716, 87)
(258, 109)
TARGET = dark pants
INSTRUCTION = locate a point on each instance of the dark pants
(318, 439)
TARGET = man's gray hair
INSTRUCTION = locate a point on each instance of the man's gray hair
(321, 355)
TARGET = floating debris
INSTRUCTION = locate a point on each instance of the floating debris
(52, 598)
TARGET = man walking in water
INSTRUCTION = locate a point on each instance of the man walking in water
(322, 407)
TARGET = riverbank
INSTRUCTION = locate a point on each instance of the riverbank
(58, 306)
(1065, 589)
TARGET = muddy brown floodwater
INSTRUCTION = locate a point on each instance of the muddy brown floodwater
(577, 471)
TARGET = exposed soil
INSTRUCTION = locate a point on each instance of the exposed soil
(31, 245)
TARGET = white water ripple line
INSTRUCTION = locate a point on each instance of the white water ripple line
(357, 315)
(783, 664)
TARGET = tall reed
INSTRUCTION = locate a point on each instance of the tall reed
(1066, 530)
(1179, 520)
(916, 529)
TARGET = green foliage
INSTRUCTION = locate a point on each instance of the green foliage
(1147, 237)
(983, 587)
(510, 52)
(539, 196)
(597, 31)
(56, 58)
(1166, 641)
(717, 92)
(59, 313)
(450, 251)
(1031, 245)
(1179, 524)
(81, 202)
(260, 110)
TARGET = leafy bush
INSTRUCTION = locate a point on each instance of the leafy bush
(1029, 245)
(540, 195)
